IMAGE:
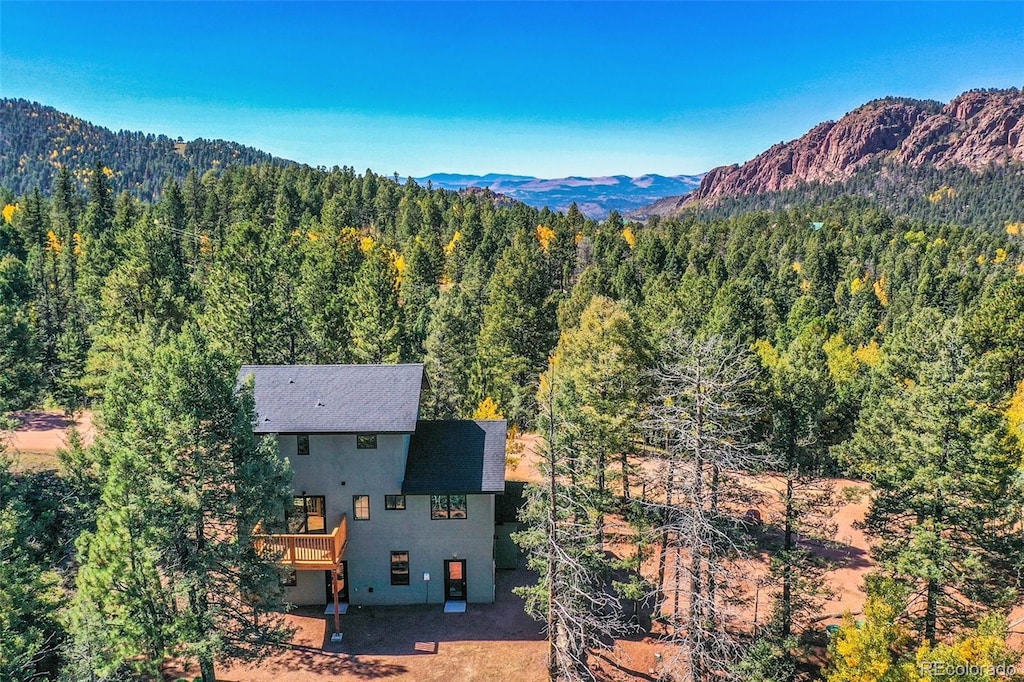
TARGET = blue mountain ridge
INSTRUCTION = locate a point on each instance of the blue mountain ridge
(596, 197)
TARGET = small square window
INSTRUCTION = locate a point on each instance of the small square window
(361, 507)
(366, 441)
(439, 506)
(302, 446)
(288, 578)
(457, 506)
(399, 568)
(395, 502)
(448, 507)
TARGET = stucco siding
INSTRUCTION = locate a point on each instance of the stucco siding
(337, 469)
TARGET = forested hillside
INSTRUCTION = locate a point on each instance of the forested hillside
(36, 140)
(959, 162)
(836, 340)
(986, 200)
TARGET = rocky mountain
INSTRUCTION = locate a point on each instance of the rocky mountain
(595, 197)
(978, 130)
(35, 140)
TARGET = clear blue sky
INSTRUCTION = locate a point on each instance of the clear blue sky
(548, 89)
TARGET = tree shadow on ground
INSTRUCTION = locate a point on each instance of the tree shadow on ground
(43, 421)
(321, 662)
(622, 667)
(839, 554)
(424, 628)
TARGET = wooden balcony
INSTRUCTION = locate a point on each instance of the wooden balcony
(307, 551)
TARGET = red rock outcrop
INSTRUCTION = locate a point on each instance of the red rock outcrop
(975, 130)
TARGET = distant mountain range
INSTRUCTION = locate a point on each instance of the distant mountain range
(962, 161)
(894, 150)
(595, 197)
(36, 139)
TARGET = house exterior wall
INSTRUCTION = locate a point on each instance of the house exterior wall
(336, 469)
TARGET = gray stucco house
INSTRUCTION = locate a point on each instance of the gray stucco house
(387, 508)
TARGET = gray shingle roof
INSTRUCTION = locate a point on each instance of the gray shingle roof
(335, 398)
(448, 457)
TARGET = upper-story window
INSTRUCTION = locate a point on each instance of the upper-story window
(395, 502)
(361, 507)
(448, 506)
(307, 515)
(366, 441)
(302, 445)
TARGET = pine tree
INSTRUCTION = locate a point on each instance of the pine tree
(451, 338)
(98, 241)
(20, 370)
(374, 315)
(518, 329)
(171, 566)
(573, 595)
(800, 391)
(936, 450)
(29, 593)
(244, 309)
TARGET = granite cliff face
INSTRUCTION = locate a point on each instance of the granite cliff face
(975, 130)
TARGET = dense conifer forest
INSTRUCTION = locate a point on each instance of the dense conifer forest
(987, 200)
(832, 338)
(37, 140)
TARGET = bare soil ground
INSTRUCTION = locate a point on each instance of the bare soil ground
(490, 641)
(38, 435)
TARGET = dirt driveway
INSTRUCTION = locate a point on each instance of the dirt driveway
(38, 436)
(489, 642)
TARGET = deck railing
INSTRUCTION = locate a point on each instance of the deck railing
(306, 550)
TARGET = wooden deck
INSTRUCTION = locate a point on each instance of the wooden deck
(308, 551)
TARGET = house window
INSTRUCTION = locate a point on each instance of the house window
(361, 507)
(307, 515)
(366, 441)
(302, 446)
(394, 502)
(288, 578)
(448, 506)
(399, 568)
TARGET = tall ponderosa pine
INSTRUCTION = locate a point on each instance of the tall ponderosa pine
(454, 326)
(98, 242)
(374, 316)
(518, 328)
(599, 392)
(29, 593)
(573, 595)
(244, 307)
(330, 259)
(20, 370)
(935, 447)
(800, 391)
(171, 567)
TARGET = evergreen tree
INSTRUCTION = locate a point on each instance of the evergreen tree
(20, 370)
(171, 566)
(374, 315)
(244, 310)
(518, 329)
(454, 326)
(29, 593)
(98, 240)
(937, 453)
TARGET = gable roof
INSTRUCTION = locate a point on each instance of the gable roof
(335, 398)
(451, 457)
